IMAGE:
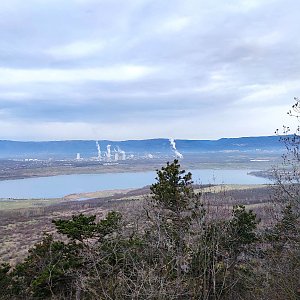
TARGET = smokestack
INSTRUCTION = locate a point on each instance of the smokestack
(98, 151)
(173, 145)
(108, 152)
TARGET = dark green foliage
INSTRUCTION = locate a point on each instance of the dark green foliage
(83, 227)
(283, 256)
(241, 229)
(110, 224)
(174, 200)
(288, 224)
(173, 189)
(286, 231)
(5, 281)
(174, 211)
(45, 271)
(78, 228)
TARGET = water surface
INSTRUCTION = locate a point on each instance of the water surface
(62, 185)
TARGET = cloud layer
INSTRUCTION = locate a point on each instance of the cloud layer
(114, 69)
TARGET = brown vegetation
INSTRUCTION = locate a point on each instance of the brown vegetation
(21, 228)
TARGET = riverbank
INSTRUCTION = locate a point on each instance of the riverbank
(14, 170)
(14, 204)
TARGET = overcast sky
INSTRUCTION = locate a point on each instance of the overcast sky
(134, 69)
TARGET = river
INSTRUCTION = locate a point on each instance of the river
(59, 186)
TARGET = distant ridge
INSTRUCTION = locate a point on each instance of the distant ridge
(87, 148)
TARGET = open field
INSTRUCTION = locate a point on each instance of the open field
(15, 204)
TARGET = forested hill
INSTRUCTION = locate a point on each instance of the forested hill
(87, 148)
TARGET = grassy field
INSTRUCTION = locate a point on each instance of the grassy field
(15, 204)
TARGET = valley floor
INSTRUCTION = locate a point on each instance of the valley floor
(23, 222)
(19, 169)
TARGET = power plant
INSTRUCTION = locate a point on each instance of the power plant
(114, 154)
(108, 156)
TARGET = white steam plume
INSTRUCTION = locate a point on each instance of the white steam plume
(123, 154)
(173, 145)
(108, 152)
(116, 154)
(98, 150)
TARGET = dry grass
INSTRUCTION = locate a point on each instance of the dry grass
(23, 222)
(231, 187)
(13, 204)
(26, 203)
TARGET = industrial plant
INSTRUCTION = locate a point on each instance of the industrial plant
(107, 156)
(117, 154)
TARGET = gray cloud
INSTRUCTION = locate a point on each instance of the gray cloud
(139, 69)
